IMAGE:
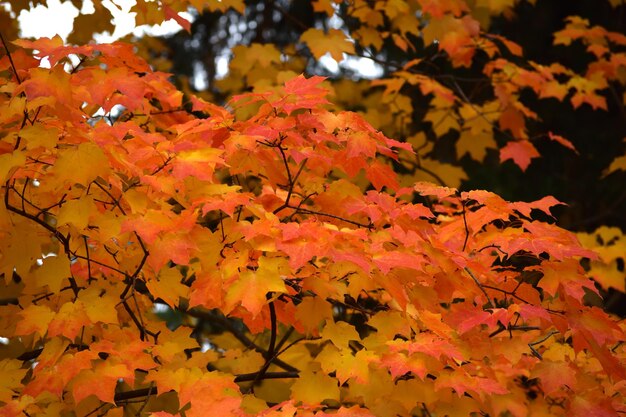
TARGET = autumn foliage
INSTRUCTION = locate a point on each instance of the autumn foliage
(276, 256)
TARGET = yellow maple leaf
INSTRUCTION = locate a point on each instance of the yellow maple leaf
(99, 306)
(12, 375)
(340, 333)
(345, 364)
(236, 361)
(108, 224)
(77, 212)
(314, 387)
(369, 36)
(52, 272)
(437, 29)
(334, 42)
(85, 25)
(81, 164)
(39, 135)
(393, 8)
(480, 118)
(608, 275)
(442, 116)
(10, 161)
(168, 287)
(610, 244)
(34, 319)
(19, 254)
(246, 57)
(312, 311)
(252, 286)
(475, 145)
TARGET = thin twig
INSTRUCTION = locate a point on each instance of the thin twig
(465, 224)
(6, 48)
(511, 328)
(543, 339)
(145, 403)
(319, 213)
(490, 304)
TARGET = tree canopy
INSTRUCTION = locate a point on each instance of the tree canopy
(293, 236)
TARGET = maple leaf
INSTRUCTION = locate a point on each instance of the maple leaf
(555, 277)
(463, 383)
(400, 364)
(54, 49)
(251, 287)
(543, 204)
(521, 152)
(100, 382)
(346, 365)
(175, 247)
(199, 163)
(85, 25)
(168, 286)
(53, 83)
(168, 350)
(386, 261)
(381, 175)
(52, 272)
(472, 319)
(12, 373)
(34, 319)
(429, 344)
(69, 320)
(314, 387)
(561, 140)
(586, 91)
(81, 164)
(340, 333)
(555, 376)
(430, 189)
(301, 242)
(255, 54)
(40, 135)
(76, 212)
(333, 42)
(213, 392)
(311, 312)
(454, 35)
(306, 91)
(513, 120)
(475, 145)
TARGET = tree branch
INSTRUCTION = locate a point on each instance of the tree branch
(122, 397)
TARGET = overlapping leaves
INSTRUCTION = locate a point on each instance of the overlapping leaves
(280, 234)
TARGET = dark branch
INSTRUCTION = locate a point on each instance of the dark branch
(125, 396)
